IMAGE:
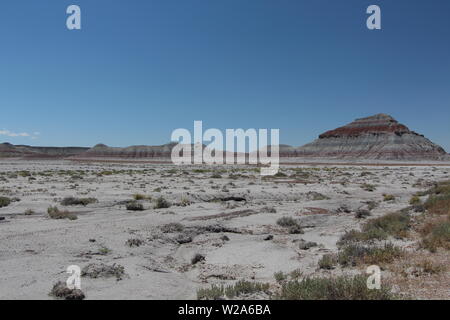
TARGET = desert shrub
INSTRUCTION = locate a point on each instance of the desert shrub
(212, 293)
(394, 224)
(162, 203)
(388, 197)
(4, 202)
(436, 235)
(356, 254)
(438, 204)
(29, 212)
(72, 201)
(134, 206)
(172, 227)
(368, 187)
(197, 258)
(55, 213)
(362, 213)
(279, 276)
(216, 176)
(338, 288)
(232, 291)
(134, 242)
(286, 222)
(61, 291)
(328, 262)
(245, 287)
(415, 200)
(101, 270)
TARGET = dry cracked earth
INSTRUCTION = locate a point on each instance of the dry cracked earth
(156, 231)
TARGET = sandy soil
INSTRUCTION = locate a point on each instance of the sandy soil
(35, 250)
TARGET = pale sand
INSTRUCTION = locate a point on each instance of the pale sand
(36, 250)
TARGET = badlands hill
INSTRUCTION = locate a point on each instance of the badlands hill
(378, 137)
(8, 150)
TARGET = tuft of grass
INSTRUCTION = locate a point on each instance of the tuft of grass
(291, 224)
(29, 212)
(4, 202)
(240, 288)
(138, 196)
(328, 288)
(415, 200)
(388, 197)
(134, 206)
(368, 187)
(436, 235)
(328, 262)
(55, 213)
(286, 222)
(356, 254)
(72, 201)
(279, 276)
(162, 203)
(172, 227)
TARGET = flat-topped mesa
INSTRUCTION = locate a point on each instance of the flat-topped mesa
(378, 137)
(377, 124)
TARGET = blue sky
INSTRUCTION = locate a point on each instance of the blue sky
(139, 69)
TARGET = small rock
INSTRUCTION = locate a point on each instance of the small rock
(269, 237)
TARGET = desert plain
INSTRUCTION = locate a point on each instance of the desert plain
(160, 231)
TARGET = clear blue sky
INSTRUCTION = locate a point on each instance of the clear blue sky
(140, 68)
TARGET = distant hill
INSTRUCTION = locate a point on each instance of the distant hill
(8, 150)
(378, 137)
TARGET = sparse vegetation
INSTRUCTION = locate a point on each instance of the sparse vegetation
(162, 203)
(72, 201)
(328, 262)
(388, 197)
(368, 187)
(338, 288)
(232, 291)
(55, 213)
(134, 206)
(4, 202)
(357, 254)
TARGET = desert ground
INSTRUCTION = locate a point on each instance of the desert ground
(160, 231)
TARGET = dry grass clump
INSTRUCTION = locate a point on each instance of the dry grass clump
(232, 291)
(291, 224)
(388, 197)
(101, 270)
(61, 291)
(356, 254)
(72, 201)
(329, 288)
(162, 203)
(134, 206)
(436, 235)
(4, 202)
(396, 224)
(138, 196)
(328, 261)
(172, 227)
(55, 213)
